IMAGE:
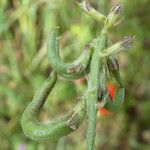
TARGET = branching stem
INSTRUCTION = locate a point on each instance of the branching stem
(91, 63)
(91, 98)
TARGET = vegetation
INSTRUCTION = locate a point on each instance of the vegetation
(24, 25)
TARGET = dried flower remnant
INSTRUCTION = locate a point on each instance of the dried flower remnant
(115, 15)
(127, 42)
(90, 11)
(112, 64)
(85, 6)
(117, 9)
(124, 44)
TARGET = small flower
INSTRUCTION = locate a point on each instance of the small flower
(112, 90)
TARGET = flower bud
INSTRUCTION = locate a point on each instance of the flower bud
(112, 64)
(111, 89)
(114, 15)
(125, 44)
(89, 10)
(85, 6)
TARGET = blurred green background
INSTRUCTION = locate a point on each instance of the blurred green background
(24, 25)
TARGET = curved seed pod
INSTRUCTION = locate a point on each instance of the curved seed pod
(113, 66)
(45, 132)
(74, 70)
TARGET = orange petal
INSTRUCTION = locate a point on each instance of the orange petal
(112, 90)
(104, 112)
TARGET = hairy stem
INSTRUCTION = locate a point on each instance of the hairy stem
(93, 89)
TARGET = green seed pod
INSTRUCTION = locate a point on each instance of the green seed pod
(47, 132)
(74, 70)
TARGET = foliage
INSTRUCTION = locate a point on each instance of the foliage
(24, 25)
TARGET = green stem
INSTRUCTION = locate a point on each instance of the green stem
(93, 89)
